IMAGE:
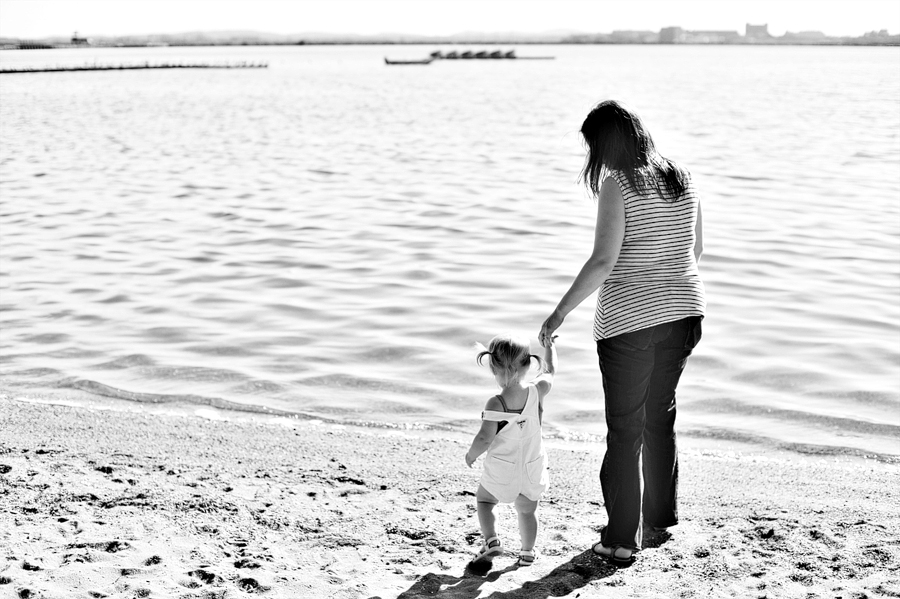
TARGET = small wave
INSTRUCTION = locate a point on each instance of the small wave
(830, 422)
(284, 283)
(221, 350)
(523, 232)
(723, 434)
(193, 374)
(224, 215)
(46, 338)
(387, 353)
(33, 372)
(870, 398)
(256, 386)
(746, 178)
(346, 381)
(128, 361)
(96, 388)
(170, 334)
(160, 398)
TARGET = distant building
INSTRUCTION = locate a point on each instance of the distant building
(712, 37)
(808, 37)
(757, 31)
(634, 37)
(671, 35)
(79, 41)
(677, 35)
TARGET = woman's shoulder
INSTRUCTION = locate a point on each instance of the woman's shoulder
(616, 175)
(614, 180)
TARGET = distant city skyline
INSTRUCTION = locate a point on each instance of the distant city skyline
(48, 18)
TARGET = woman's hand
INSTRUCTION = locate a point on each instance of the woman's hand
(553, 322)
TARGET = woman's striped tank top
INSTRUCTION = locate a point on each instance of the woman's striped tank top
(655, 279)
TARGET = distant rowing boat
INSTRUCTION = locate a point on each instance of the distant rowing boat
(469, 55)
(146, 65)
(425, 61)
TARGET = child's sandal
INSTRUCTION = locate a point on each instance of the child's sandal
(526, 557)
(487, 552)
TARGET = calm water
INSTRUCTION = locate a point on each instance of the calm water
(330, 235)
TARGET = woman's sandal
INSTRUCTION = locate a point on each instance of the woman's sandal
(526, 557)
(616, 555)
(487, 552)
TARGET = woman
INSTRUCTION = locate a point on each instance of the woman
(647, 244)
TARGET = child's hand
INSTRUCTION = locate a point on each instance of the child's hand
(469, 461)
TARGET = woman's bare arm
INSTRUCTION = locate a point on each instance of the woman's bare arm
(608, 235)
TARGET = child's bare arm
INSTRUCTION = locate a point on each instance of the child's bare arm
(546, 382)
(485, 435)
(550, 356)
(481, 442)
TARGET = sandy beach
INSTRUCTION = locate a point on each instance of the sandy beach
(135, 502)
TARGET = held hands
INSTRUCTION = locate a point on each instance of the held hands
(553, 322)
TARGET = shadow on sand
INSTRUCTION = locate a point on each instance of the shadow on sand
(572, 575)
(582, 569)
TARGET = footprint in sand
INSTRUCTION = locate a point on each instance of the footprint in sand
(206, 576)
(240, 544)
(131, 571)
(198, 576)
(107, 546)
(251, 585)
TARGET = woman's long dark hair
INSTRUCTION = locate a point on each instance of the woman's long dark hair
(617, 140)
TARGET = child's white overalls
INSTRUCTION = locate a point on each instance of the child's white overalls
(515, 462)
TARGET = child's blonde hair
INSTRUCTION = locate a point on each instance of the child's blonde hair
(508, 357)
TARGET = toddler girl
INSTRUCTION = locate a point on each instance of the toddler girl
(515, 468)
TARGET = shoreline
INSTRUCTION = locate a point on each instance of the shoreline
(92, 395)
(123, 503)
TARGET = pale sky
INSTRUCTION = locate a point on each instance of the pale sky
(41, 18)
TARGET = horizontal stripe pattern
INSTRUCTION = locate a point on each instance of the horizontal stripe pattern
(655, 279)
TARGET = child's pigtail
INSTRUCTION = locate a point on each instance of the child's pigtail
(482, 352)
(540, 360)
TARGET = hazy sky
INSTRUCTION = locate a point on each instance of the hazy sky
(39, 18)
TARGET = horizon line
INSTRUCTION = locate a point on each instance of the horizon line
(542, 33)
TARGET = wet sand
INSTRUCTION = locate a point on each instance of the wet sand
(140, 503)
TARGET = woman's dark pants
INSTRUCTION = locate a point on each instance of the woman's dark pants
(640, 372)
